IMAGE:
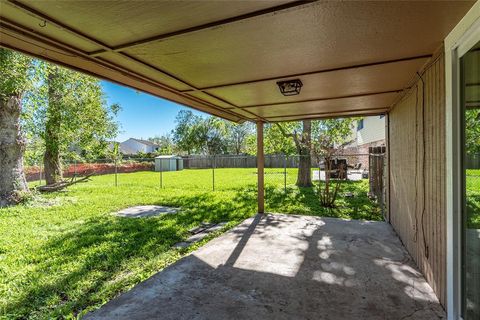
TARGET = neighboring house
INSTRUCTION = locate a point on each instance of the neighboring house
(368, 132)
(134, 146)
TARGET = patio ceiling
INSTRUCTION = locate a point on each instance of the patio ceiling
(224, 58)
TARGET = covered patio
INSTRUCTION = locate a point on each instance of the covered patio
(287, 267)
(339, 58)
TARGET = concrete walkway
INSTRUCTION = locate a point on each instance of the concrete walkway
(287, 267)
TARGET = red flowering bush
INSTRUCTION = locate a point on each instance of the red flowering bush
(33, 172)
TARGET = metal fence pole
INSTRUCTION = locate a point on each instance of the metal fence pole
(285, 173)
(40, 166)
(116, 172)
(75, 170)
(161, 173)
(213, 173)
(319, 174)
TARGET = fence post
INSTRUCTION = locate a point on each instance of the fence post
(213, 173)
(161, 173)
(285, 173)
(116, 171)
(320, 174)
(40, 166)
(75, 170)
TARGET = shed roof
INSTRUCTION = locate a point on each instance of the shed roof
(352, 57)
(168, 157)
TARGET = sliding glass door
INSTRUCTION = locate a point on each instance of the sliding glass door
(470, 102)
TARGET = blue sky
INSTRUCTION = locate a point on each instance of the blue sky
(142, 115)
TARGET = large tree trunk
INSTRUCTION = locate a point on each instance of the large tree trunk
(304, 146)
(53, 167)
(12, 147)
(51, 158)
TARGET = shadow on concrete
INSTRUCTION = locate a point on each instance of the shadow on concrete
(287, 267)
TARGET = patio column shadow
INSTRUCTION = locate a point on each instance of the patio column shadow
(287, 267)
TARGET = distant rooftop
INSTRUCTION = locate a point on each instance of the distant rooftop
(146, 142)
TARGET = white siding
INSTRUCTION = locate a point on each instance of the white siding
(373, 130)
(132, 146)
(150, 149)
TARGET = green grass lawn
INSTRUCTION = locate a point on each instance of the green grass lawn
(64, 254)
(473, 199)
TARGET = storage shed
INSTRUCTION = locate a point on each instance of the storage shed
(168, 163)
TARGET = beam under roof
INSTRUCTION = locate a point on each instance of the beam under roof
(6, 25)
(296, 75)
(136, 60)
(206, 26)
(353, 57)
(366, 94)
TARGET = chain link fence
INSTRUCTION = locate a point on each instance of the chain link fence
(277, 167)
(280, 170)
(364, 173)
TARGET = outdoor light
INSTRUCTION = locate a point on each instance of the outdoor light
(290, 87)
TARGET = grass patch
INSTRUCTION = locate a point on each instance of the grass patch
(473, 199)
(64, 254)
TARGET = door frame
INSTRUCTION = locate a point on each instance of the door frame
(463, 37)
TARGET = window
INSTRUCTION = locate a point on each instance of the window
(470, 103)
(382, 116)
(360, 125)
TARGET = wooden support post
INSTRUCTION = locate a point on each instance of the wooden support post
(387, 168)
(260, 168)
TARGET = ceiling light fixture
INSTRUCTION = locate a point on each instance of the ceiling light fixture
(290, 87)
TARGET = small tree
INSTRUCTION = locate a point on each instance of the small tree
(70, 114)
(330, 138)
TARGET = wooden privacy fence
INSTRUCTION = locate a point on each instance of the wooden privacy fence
(234, 161)
(472, 161)
(271, 161)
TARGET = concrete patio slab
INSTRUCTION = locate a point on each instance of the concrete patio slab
(200, 233)
(352, 175)
(145, 211)
(287, 267)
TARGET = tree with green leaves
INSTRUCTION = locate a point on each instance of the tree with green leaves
(214, 132)
(197, 134)
(237, 135)
(329, 138)
(301, 133)
(71, 116)
(185, 134)
(311, 137)
(16, 78)
(165, 144)
(472, 131)
(274, 141)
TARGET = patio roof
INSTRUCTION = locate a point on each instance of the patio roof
(353, 58)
